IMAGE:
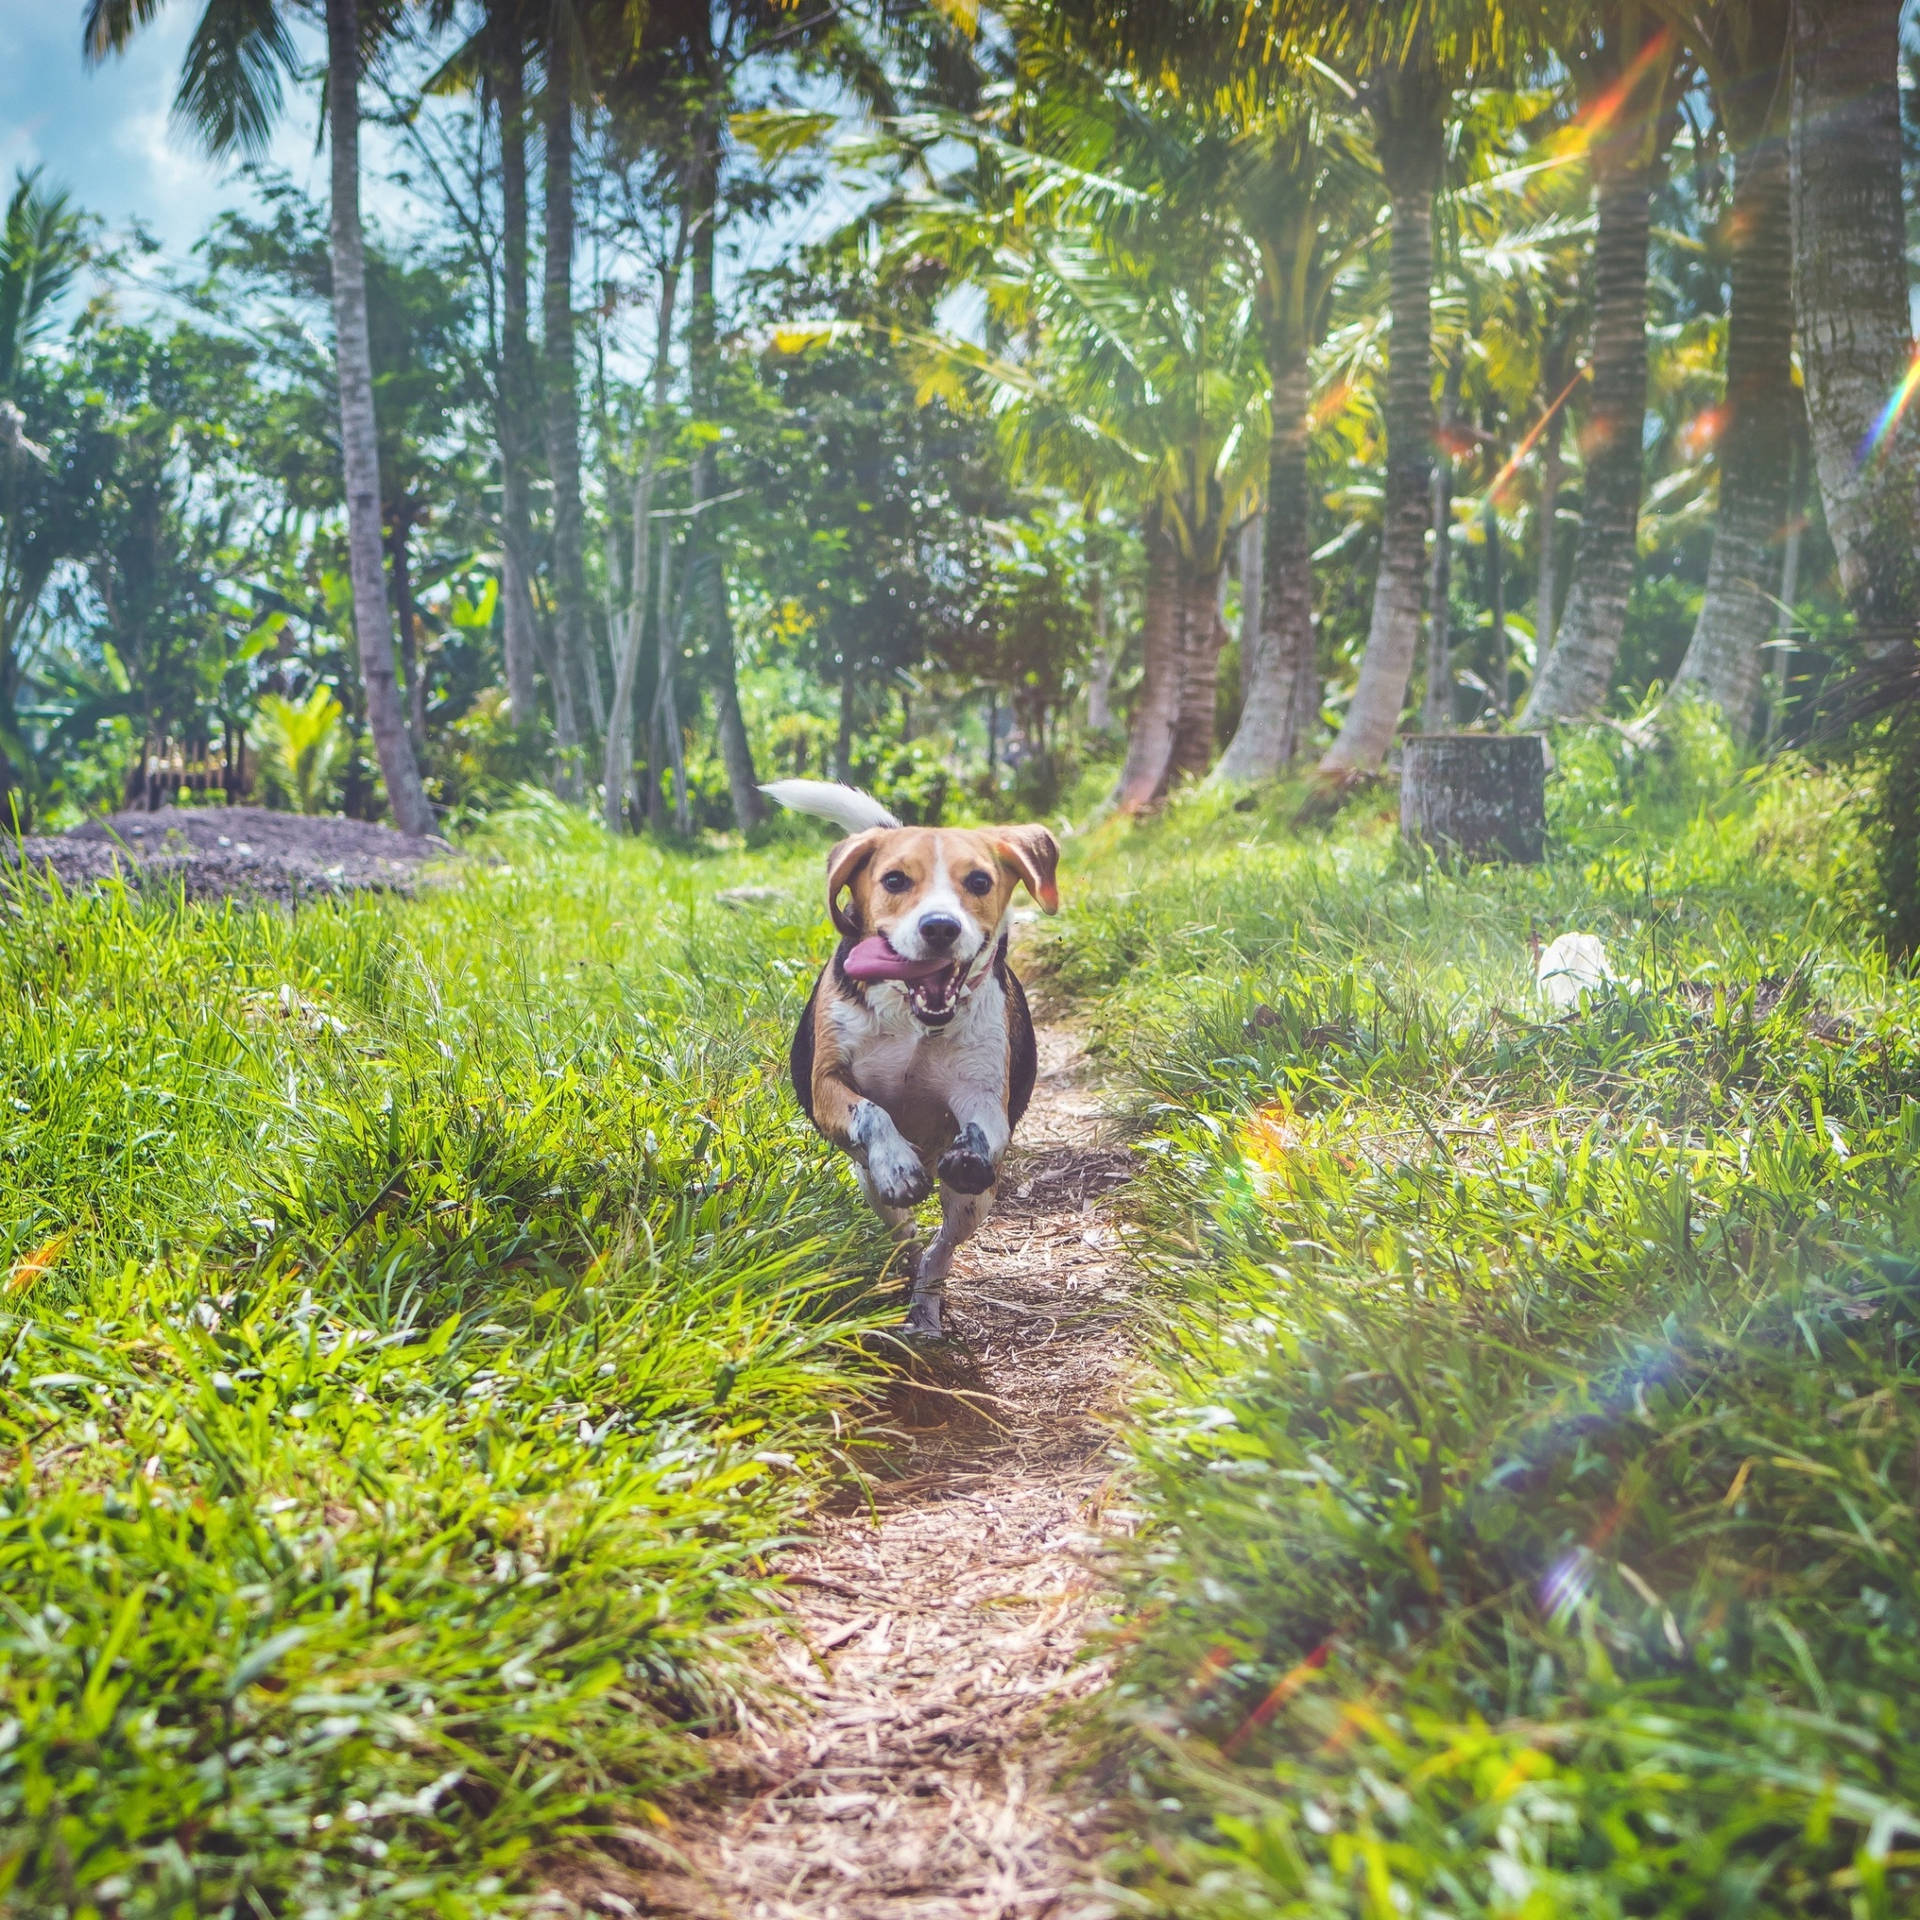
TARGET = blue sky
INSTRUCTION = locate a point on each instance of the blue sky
(105, 133)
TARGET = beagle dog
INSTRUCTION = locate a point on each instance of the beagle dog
(915, 1055)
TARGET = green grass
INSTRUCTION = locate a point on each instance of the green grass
(1532, 1481)
(424, 1318)
(421, 1320)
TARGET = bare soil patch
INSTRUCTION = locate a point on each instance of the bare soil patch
(216, 853)
(938, 1620)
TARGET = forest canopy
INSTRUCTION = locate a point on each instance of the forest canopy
(1060, 397)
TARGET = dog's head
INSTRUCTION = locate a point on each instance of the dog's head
(938, 893)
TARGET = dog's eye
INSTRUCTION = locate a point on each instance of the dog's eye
(896, 881)
(978, 882)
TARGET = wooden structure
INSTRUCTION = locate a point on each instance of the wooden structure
(167, 769)
(1476, 796)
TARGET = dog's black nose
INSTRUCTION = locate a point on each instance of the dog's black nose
(939, 929)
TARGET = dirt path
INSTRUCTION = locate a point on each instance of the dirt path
(938, 1632)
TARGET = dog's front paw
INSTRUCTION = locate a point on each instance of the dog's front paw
(965, 1166)
(897, 1174)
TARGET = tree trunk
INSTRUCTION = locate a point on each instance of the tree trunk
(710, 578)
(1496, 603)
(627, 633)
(1253, 566)
(400, 554)
(1411, 150)
(1755, 448)
(1573, 680)
(1856, 338)
(666, 742)
(1106, 659)
(516, 388)
(1438, 717)
(1478, 796)
(1785, 619)
(1203, 635)
(640, 564)
(359, 439)
(1156, 711)
(1546, 602)
(562, 409)
(1282, 681)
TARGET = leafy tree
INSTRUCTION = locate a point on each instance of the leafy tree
(230, 92)
(45, 498)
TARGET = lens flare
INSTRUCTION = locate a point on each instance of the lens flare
(1517, 458)
(1882, 429)
(1594, 119)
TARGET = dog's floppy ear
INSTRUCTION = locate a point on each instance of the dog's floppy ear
(843, 865)
(1034, 855)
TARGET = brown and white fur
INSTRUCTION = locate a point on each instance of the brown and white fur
(921, 1084)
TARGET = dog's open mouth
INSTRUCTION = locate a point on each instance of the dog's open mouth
(936, 998)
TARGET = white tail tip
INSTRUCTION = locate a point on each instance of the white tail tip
(846, 807)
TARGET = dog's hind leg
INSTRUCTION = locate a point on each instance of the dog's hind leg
(962, 1215)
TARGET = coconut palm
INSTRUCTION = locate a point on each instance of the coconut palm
(230, 92)
(1743, 47)
(1855, 321)
(1096, 223)
(1622, 59)
(1304, 194)
(42, 248)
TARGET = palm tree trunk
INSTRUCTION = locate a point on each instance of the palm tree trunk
(1574, 679)
(1267, 740)
(703, 366)
(1204, 634)
(1411, 147)
(640, 565)
(1252, 563)
(1856, 334)
(359, 438)
(1497, 643)
(516, 386)
(562, 408)
(1755, 448)
(1438, 714)
(1546, 599)
(1156, 711)
(400, 554)
(1106, 660)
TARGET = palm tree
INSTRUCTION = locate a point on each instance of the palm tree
(1743, 45)
(565, 47)
(42, 248)
(1621, 56)
(506, 51)
(1855, 321)
(230, 91)
(1095, 223)
(1302, 200)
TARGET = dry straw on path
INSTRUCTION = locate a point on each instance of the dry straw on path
(938, 1630)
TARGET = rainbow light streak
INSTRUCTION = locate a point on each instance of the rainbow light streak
(1883, 427)
(1593, 121)
(1532, 439)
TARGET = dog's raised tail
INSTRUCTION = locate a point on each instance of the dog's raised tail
(846, 807)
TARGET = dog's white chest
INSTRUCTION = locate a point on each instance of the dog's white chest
(910, 1069)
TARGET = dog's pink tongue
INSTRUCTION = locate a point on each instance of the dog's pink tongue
(873, 959)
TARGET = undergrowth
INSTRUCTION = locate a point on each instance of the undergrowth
(1532, 1480)
(420, 1319)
